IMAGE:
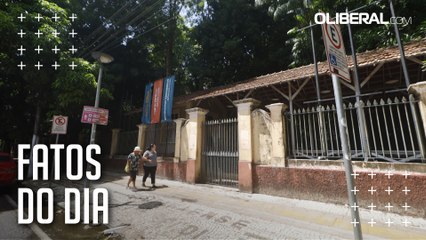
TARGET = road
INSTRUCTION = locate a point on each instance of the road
(9, 227)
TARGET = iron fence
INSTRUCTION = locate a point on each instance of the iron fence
(164, 136)
(393, 131)
(220, 152)
(127, 140)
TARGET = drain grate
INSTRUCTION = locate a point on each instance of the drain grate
(150, 205)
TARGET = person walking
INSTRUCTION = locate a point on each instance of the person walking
(133, 161)
(150, 164)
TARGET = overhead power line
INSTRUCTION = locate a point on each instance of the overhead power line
(129, 18)
(122, 31)
(147, 31)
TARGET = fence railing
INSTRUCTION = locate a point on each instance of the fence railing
(220, 152)
(127, 140)
(393, 131)
(164, 136)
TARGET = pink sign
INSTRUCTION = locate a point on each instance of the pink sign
(94, 115)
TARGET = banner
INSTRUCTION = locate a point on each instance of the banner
(157, 94)
(167, 106)
(146, 112)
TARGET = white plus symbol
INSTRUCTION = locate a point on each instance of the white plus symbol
(21, 33)
(372, 222)
(372, 190)
(56, 65)
(55, 33)
(389, 222)
(21, 65)
(389, 174)
(73, 17)
(406, 190)
(55, 18)
(38, 49)
(355, 190)
(73, 49)
(406, 222)
(388, 206)
(21, 17)
(38, 33)
(355, 206)
(389, 190)
(354, 222)
(372, 174)
(38, 17)
(406, 174)
(72, 33)
(372, 206)
(405, 206)
(55, 49)
(21, 50)
(355, 174)
(38, 65)
(72, 65)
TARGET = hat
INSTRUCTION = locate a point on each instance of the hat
(137, 149)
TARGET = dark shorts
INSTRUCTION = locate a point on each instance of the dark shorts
(133, 174)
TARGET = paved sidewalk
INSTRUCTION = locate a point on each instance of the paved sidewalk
(206, 212)
(184, 211)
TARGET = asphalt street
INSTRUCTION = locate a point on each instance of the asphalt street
(9, 227)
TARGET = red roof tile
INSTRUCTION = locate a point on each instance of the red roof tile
(368, 58)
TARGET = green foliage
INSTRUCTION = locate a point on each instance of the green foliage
(236, 40)
(367, 37)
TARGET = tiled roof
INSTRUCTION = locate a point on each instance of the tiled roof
(372, 57)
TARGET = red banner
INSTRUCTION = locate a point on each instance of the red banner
(157, 94)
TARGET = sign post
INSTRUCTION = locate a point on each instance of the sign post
(59, 126)
(338, 66)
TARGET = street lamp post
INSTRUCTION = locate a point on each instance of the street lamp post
(102, 58)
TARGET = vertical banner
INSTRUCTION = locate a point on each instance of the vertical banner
(167, 105)
(157, 94)
(146, 112)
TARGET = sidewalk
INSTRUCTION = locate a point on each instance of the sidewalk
(184, 211)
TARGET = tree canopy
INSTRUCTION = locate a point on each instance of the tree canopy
(205, 43)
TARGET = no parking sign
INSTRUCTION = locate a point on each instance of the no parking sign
(336, 54)
(59, 125)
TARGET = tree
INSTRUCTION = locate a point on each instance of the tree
(235, 41)
(366, 37)
(30, 95)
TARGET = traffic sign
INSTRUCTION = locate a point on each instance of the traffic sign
(94, 115)
(59, 125)
(335, 49)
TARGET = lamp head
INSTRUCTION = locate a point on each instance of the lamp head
(102, 57)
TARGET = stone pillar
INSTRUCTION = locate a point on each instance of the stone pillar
(141, 135)
(197, 117)
(114, 142)
(419, 89)
(245, 162)
(179, 123)
(278, 134)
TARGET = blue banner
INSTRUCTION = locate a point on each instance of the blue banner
(146, 112)
(167, 104)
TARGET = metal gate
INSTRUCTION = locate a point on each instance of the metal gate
(220, 152)
(393, 131)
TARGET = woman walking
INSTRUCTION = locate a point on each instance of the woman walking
(150, 164)
(133, 161)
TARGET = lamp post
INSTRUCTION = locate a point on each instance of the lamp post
(102, 58)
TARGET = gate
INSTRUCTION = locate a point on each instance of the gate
(393, 131)
(220, 152)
